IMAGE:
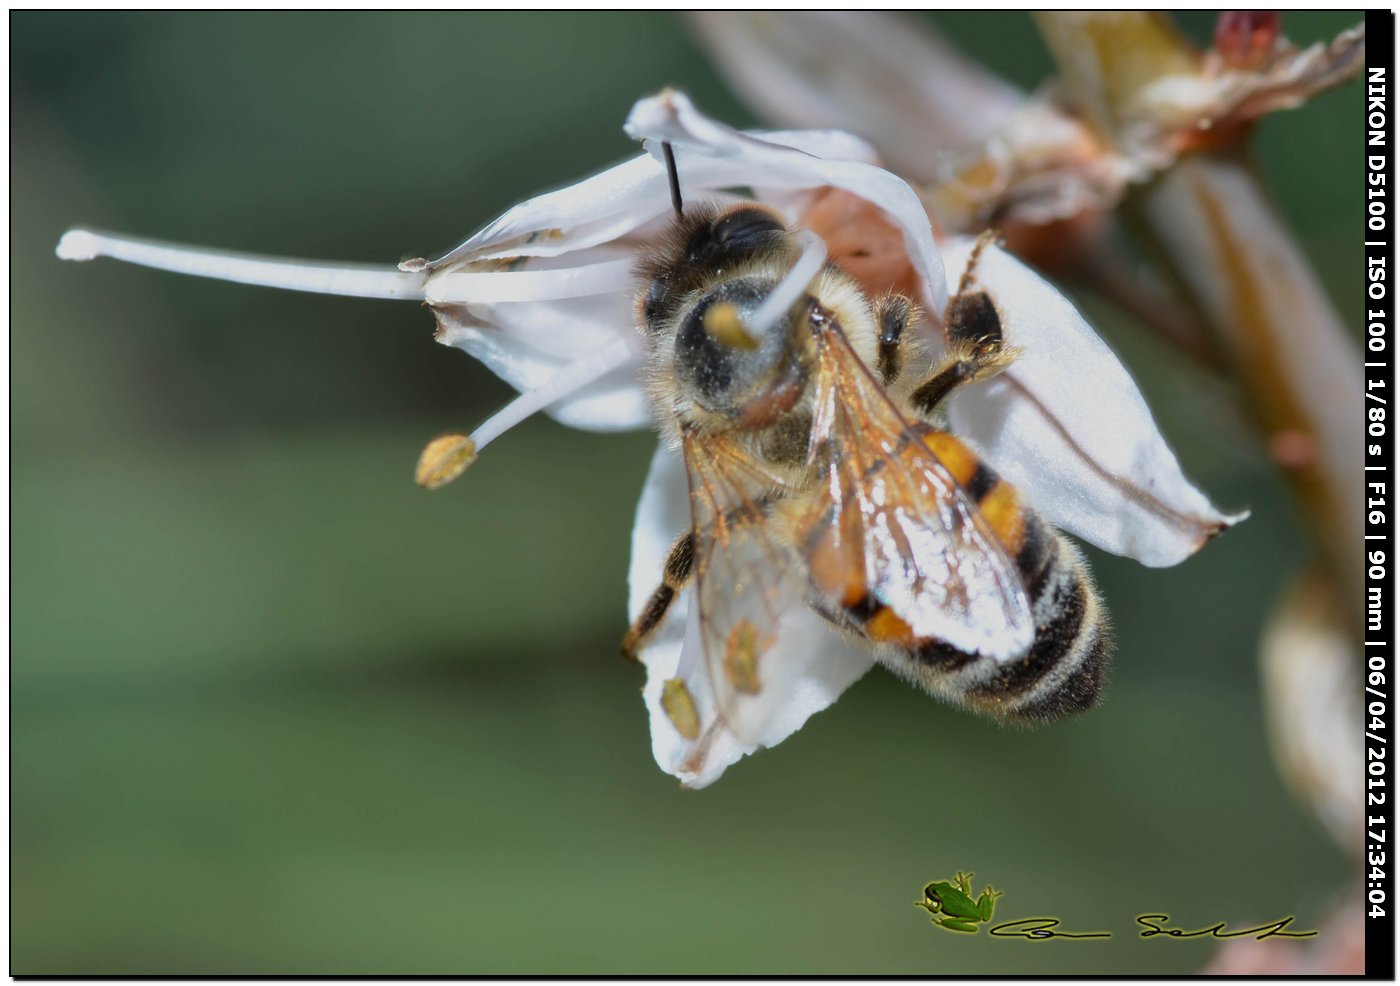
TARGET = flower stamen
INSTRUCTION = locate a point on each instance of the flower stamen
(725, 325)
(500, 287)
(444, 460)
(793, 286)
(448, 457)
(352, 280)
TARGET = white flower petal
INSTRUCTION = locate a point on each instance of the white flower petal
(817, 665)
(564, 329)
(605, 207)
(1067, 425)
(890, 79)
(812, 663)
(616, 402)
(837, 145)
(613, 204)
(663, 514)
(757, 161)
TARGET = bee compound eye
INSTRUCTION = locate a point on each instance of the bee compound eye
(747, 229)
(742, 231)
(652, 304)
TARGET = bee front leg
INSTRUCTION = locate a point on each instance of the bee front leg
(675, 576)
(893, 314)
(976, 348)
(962, 362)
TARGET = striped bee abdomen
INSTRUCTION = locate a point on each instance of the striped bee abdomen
(1064, 670)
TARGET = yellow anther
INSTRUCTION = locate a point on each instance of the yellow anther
(680, 708)
(724, 325)
(444, 460)
(741, 653)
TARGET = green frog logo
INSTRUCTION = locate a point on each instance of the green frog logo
(953, 906)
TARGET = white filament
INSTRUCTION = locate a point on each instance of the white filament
(570, 378)
(532, 285)
(353, 280)
(793, 285)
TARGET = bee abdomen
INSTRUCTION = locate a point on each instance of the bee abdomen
(1064, 670)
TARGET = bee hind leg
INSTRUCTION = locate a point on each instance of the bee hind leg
(675, 576)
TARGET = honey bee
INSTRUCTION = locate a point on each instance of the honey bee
(818, 478)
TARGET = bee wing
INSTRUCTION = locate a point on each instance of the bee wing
(750, 591)
(894, 529)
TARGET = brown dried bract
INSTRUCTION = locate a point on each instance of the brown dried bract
(862, 242)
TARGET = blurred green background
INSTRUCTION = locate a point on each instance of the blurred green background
(277, 710)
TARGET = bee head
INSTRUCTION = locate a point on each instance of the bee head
(705, 243)
(718, 282)
(736, 233)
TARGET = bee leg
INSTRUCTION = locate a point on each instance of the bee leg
(675, 576)
(988, 237)
(976, 349)
(893, 314)
(964, 361)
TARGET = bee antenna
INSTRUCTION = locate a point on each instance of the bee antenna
(674, 177)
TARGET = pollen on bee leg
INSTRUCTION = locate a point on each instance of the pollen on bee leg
(679, 706)
(444, 460)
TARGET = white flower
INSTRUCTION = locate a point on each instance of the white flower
(545, 296)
